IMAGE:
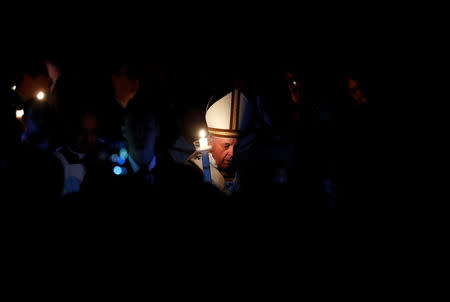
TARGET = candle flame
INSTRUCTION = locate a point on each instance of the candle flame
(202, 133)
(40, 95)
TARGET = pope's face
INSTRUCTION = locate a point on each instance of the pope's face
(223, 151)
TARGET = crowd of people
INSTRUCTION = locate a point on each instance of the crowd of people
(127, 133)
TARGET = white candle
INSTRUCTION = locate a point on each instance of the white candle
(203, 139)
(19, 113)
(204, 149)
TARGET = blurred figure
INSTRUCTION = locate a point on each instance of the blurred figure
(29, 171)
(30, 80)
(297, 107)
(40, 124)
(141, 130)
(125, 84)
(67, 94)
(355, 91)
(134, 170)
(311, 138)
(33, 173)
(76, 155)
(54, 70)
(355, 134)
(299, 147)
(143, 171)
(295, 81)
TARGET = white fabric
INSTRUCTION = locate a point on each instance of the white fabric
(73, 173)
(135, 166)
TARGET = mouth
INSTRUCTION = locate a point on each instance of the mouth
(227, 162)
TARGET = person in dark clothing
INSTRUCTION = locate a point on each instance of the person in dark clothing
(67, 94)
(30, 172)
(125, 84)
(29, 79)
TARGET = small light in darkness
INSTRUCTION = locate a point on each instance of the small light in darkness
(123, 153)
(114, 158)
(121, 160)
(117, 170)
(40, 96)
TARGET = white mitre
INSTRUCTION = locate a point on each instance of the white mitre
(231, 116)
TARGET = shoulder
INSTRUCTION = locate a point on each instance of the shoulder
(195, 162)
(66, 154)
(195, 158)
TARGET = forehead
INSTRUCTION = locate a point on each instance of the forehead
(130, 71)
(222, 140)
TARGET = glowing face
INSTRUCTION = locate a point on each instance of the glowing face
(223, 151)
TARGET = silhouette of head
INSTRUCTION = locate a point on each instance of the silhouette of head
(141, 130)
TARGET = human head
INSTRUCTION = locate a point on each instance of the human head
(126, 81)
(141, 130)
(39, 120)
(295, 84)
(54, 65)
(229, 123)
(224, 151)
(87, 131)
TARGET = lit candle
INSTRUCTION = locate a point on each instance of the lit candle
(14, 87)
(19, 113)
(203, 139)
(40, 96)
(204, 149)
